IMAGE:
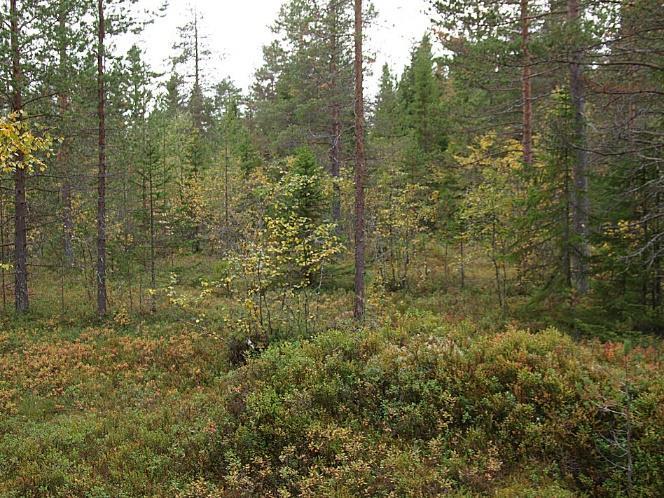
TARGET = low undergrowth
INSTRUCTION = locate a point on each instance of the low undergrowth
(419, 404)
(424, 409)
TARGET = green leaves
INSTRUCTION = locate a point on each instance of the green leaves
(293, 242)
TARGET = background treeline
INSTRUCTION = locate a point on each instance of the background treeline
(525, 159)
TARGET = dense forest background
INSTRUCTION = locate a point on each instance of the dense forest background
(530, 150)
(510, 178)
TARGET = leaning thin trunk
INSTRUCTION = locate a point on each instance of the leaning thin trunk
(197, 93)
(657, 267)
(335, 163)
(67, 222)
(580, 200)
(462, 265)
(496, 265)
(2, 248)
(63, 152)
(567, 248)
(153, 274)
(335, 149)
(526, 87)
(101, 200)
(360, 167)
(226, 197)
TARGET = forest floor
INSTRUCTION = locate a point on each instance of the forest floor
(438, 393)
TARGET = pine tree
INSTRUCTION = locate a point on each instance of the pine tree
(20, 204)
(423, 116)
(117, 11)
(387, 121)
(21, 45)
(69, 38)
(360, 167)
(303, 92)
(580, 197)
(192, 53)
(101, 180)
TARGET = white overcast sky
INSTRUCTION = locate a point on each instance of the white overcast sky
(237, 31)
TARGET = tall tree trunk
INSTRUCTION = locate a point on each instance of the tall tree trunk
(21, 296)
(67, 221)
(526, 87)
(657, 249)
(227, 218)
(101, 200)
(197, 74)
(567, 246)
(197, 93)
(335, 149)
(153, 273)
(581, 202)
(335, 161)
(63, 152)
(360, 167)
(462, 265)
(2, 247)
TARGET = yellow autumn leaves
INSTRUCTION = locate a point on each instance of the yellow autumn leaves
(20, 148)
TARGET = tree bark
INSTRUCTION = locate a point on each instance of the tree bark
(153, 273)
(360, 168)
(62, 156)
(526, 87)
(197, 93)
(2, 247)
(21, 296)
(67, 221)
(335, 148)
(227, 218)
(462, 265)
(567, 246)
(335, 161)
(101, 199)
(580, 200)
(657, 286)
